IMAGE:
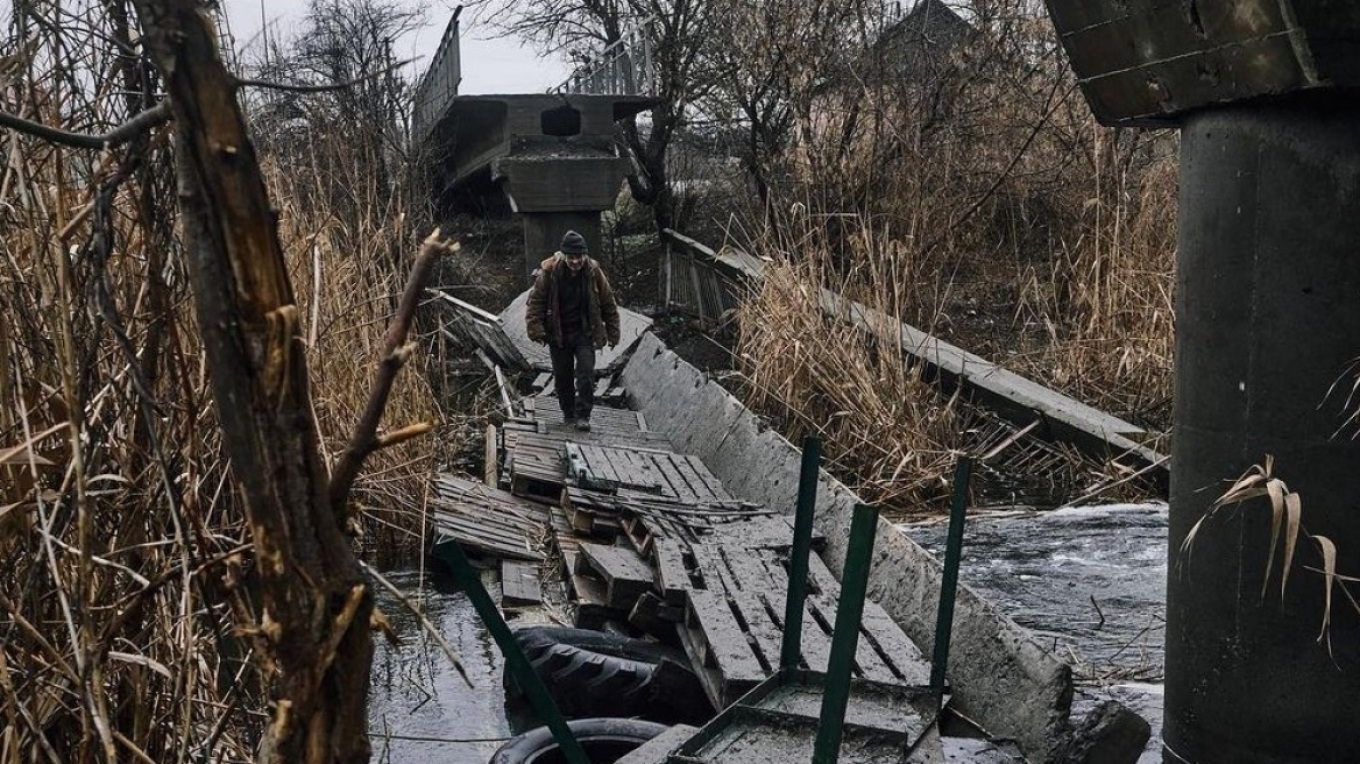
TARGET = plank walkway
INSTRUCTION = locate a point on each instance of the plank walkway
(651, 537)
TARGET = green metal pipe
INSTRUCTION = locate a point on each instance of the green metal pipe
(791, 649)
(471, 583)
(949, 583)
(850, 609)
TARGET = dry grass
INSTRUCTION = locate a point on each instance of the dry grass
(347, 274)
(886, 431)
(123, 559)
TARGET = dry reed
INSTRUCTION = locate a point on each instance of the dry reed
(124, 562)
(891, 435)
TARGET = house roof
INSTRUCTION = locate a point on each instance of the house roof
(914, 47)
(930, 24)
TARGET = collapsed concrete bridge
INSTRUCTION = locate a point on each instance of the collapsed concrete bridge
(552, 157)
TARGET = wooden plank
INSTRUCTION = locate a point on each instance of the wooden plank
(763, 635)
(884, 652)
(719, 643)
(490, 465)
(675, 483)
(816, 641)
(591, 610)
(711, 568)
(626, 575)
(715, 486)
(519, 584)
(685, 483)
(601, 467)
(903, 657)
(671, 576)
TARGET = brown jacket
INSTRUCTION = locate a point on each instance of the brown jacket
(543, 313)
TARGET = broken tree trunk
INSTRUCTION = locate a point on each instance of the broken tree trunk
(313, 634)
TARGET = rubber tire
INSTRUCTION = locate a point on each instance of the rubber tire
(597, 642)
(597, 674)
(604, 740)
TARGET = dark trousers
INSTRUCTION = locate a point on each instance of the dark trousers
(574, 375)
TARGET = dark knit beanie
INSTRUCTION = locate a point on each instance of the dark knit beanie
(574, 243)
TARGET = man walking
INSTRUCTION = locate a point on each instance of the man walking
(571, 308)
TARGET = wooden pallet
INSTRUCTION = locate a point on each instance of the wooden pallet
(534, 465)
(486, 519)
(683, 478)
(607, 418)
(734, 613)
(626, 575)
(559, 432)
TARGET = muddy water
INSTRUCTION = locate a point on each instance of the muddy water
(420, 710)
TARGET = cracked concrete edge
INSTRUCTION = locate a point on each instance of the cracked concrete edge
(1000, 675)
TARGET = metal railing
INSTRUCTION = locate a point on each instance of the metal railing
(439, 85)
(625, 67)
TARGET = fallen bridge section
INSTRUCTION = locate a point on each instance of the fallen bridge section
(1001, 676)
(1012, 396)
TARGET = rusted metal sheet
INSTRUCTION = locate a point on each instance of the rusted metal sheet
(1149, 61)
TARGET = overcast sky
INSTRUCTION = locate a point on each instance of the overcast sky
(496, 65)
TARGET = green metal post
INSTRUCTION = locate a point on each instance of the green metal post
(791, 650)
(949, 583)
(471, 583)
(854, 584)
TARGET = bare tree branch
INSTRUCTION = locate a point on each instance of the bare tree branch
(363, 441)
(327, 88)
(125, 132)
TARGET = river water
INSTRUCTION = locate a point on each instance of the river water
(1088, 581)
(421, 711)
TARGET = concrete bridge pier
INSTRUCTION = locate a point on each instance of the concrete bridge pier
(560, 194)
(543, 232)
(553, 157)
(1267, 321)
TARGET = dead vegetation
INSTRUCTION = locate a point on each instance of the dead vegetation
(1286, 529)
(965, 190)
(131, 612)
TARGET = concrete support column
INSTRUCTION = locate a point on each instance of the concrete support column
(1268, 318)
(543, 233)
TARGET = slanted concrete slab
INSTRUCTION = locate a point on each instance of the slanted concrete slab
(1014, 397)
(1001, 675)
(631, 326)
